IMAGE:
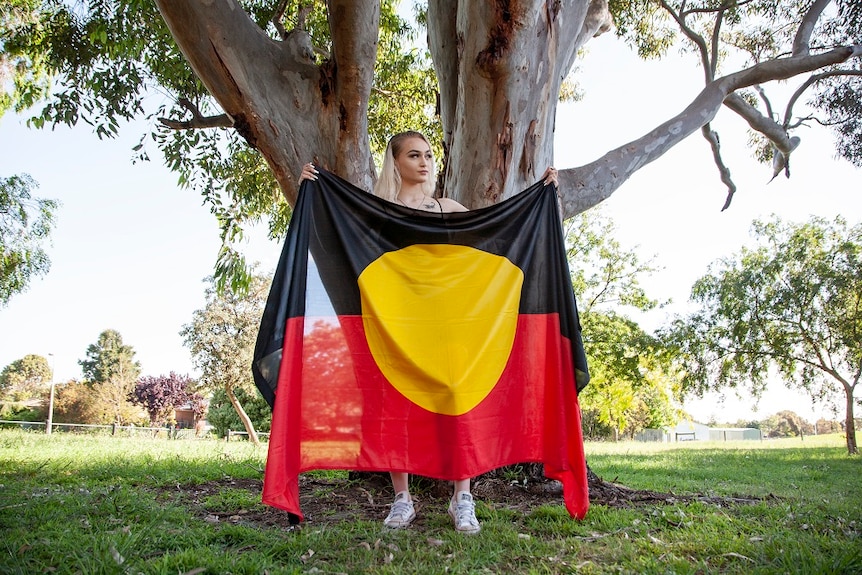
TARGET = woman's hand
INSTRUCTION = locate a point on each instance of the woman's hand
(308, 173)
(550, 177)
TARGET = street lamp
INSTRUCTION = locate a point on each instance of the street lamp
(50, 423)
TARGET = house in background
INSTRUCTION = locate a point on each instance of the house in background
(689, 431)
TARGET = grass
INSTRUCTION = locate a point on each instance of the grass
(92, 505)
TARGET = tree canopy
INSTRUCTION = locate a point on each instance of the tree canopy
(792, 304)
(221, 339)
(251, 90)
(161, 395)
(25, 378)
(632, 383)
(109, 358)
(25, 224)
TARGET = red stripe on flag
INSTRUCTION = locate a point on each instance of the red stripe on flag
(335, 410)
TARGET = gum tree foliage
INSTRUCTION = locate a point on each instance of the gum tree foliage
(221, 339)
(160, 395)
(255, 88)
(632, 383)
(25, 224)
(790, 304)
(25, 378)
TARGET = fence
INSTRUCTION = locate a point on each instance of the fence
(171, 432)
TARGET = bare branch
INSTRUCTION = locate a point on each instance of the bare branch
(716, 38)
(198, 120)
(762, 93)
(724, 172)
(693, 36)
(278, 16)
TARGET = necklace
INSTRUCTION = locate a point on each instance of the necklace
(421, 202)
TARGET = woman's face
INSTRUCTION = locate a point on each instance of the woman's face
(413, 161)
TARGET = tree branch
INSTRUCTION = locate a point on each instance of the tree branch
(802, 40)
(596, 181)
(277, 17)
(723, 171)
(198, 120)
(809, 82)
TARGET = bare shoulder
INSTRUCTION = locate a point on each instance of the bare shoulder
(450, 205)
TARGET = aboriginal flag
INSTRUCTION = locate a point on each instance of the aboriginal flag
(444, 345)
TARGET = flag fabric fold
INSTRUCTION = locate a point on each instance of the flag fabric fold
(444, 345)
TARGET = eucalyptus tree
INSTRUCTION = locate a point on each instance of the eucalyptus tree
(25, 378)
(632, 381)
(221, 339)
(25, 225)
(256, 88)
(792, 304)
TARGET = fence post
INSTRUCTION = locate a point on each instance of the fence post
(114, 428)
(227, 437)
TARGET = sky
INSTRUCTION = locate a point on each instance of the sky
(131, 249)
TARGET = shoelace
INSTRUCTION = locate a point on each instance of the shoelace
(400, 509)
(465, 512)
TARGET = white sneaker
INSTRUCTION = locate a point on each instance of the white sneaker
(401, 513)
(462, 510)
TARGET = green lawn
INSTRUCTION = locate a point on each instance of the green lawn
(90, 505)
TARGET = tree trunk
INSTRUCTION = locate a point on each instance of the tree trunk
(279, 99)
(850, 423)
(499, 67)
(243, 416)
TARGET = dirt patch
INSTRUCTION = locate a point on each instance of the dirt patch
(327, 501)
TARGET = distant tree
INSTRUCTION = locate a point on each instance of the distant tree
(786, 424)
(746, 423)
(76, 402)
(593, 428)
(108, 357)
(632, 383)
(161, 395)
(111, 370)
(793, 303)
(25, 224)
(114, 404)
(24, 378)
(99, 404)
(221, 338)
(223, 417)
(822, 426)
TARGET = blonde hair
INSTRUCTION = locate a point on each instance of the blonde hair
(389, 182)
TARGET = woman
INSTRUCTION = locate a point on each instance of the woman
(408, 178)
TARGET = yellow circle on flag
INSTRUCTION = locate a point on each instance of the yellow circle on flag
(440, 321)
